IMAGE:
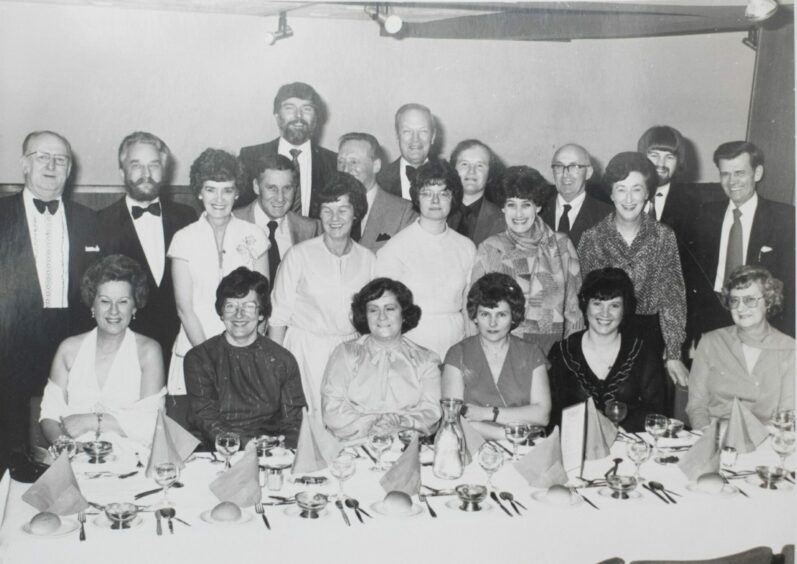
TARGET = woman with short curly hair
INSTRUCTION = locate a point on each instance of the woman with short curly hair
(750, 361)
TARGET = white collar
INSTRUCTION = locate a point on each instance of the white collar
(284, 147)
(748, 208)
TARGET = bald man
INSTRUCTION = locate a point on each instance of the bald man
(572, 210)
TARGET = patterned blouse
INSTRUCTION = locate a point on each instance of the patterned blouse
(652, 263)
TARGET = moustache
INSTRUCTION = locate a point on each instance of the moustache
(299, 122)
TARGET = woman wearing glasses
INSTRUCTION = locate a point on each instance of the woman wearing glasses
(433, 260)
(750, 360)
(544, 263)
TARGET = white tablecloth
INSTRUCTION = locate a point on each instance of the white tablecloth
(699, 526)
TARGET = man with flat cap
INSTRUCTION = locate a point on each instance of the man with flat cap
(298, 110)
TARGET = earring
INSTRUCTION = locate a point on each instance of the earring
(134, 317)
(92, 314)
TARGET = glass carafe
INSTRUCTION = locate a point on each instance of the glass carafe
(449, 443)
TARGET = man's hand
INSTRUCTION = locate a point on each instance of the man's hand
(678, 372)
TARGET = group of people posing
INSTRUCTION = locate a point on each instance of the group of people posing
(329, 286)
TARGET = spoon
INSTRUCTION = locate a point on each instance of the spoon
(660, 487)
(354, 504)
(511, 499)
(613, 469)
(422, 497)
(168, 513)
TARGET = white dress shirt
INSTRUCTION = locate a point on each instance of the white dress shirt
(748, 211)
(660, 200)
(370, 196)
(575, 207)
(305, 159)
(282, 235)
(50, 241)
(149, 229)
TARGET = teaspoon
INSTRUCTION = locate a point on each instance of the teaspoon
(511, 499)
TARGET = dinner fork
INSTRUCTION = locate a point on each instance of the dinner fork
(81, 517)
(262, 512)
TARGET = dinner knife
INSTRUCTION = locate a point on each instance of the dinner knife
(501, 505)
(588, 500)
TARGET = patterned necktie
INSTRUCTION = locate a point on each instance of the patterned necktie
(734, 258)
(564, 221)
(51, 206)
(297, 198)
(273, 252)
(154, 209)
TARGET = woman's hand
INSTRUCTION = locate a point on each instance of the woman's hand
(388, 424)
(76, 425)
(678, 372)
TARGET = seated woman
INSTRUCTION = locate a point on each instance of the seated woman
(501, 378)
(750, 360)
(381, 380)
(604, 362)
(109, 381)
(240, 380)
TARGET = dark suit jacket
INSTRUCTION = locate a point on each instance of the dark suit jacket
(490, 221)
(300, 228)
(29, 334)
(389, 178)
(158, 319)
(325, 162)
(387, 216)
(591, 212)
(680, 212)
(771, 245)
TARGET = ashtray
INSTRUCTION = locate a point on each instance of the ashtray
(121, 514)
(770, 476)
(98, 451)
(471, 495)
(621, 486)
(310, 504)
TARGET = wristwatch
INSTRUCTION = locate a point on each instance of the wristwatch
(463, 410)
(495, 414)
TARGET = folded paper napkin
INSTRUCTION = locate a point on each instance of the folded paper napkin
(240, 484)
(405, 474)
(56, 490)
(542, 466)
(745, 432)
(316, 447)
(601, 433)
(473, 442)
(703, 456)
(170, 443)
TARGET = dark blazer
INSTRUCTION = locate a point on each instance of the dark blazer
(771, 245)
(591, 212)
(490, 221)
(324, 161)
(29, 334)
(389, 178)
(387, 216)
(680, 211)
(158, 319)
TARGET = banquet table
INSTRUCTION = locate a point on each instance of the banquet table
(699, 526)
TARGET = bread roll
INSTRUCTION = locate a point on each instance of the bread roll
(45, 523)
(397, 503)
(710, 482)
(226, 511)
(558, 495)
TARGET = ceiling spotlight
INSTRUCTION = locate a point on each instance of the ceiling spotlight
(759, 10)
(283, 30)
(392, 24)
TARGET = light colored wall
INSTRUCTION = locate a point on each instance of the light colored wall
(198, 80)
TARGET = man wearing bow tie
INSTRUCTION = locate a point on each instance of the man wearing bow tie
(416, 132)
(141, 225)
(47, 243)
(298, 110)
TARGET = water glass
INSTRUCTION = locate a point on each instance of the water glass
(166, 473)
(343, 468)
(616, 411)
(379, 441)
(783, 442)
(728, 457)
(656, 426)
(406, 436)
(516, 433)
(639, 453)
(490, 459)
(227, 444)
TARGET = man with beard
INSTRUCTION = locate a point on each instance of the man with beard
(47, 244)
(141, 225)
(298, 110)
(416, 132)
(571, 210)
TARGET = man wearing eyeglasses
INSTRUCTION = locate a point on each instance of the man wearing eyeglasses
(572, 210)
(47, 243)
(746, 229)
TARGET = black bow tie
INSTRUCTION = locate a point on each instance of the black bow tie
(411, 172)
(41, 205)
(154, 209)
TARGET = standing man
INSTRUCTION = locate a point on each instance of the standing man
(748, 229)
(298, 110)
(141, 225)
(572, 210)
(47, 243)
(276, 181)
(359, 155)
(416, 132)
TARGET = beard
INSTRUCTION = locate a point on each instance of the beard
(297, 131)
(143, 189)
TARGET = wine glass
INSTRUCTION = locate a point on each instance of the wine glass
(406, 436)
(490, 459)
(379, 441)
(656, 426)
(63, 443)
(783, 419)
(516, 433)
(166, 473)
(616, 411)
(638, 452)
(343, 468)
(227, 444)
(783, 442)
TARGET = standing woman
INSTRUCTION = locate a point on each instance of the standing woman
(433, 260)
(648, 252)
(315, 283)
(202, 254)
(544, 263)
